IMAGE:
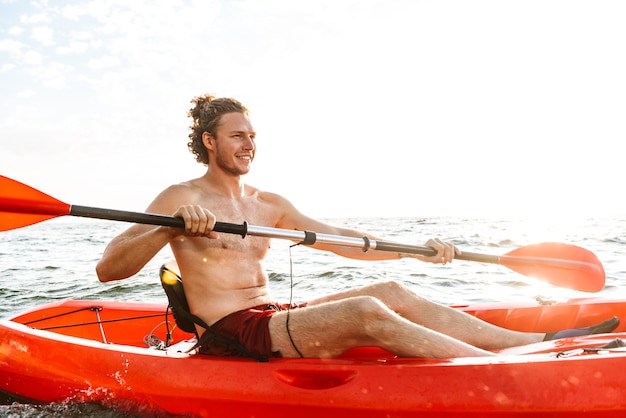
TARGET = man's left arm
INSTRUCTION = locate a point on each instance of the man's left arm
(294, 219)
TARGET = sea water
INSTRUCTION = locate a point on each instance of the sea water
(55, 260)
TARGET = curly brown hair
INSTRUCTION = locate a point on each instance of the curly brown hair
(206, 114)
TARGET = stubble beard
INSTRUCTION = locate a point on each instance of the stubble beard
(226, 165)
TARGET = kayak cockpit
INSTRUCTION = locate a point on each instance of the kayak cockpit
(134, 324)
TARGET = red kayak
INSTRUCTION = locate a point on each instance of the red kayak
(112, 353)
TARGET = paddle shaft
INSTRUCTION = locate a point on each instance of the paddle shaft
(310, 238)
(305, 237)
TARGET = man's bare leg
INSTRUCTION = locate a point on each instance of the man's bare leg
(331, 328)
(437, 317)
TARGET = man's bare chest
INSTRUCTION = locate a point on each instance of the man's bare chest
(250, 209)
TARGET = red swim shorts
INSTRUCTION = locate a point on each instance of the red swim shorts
(249, 328)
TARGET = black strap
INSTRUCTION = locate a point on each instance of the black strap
(309, 238)
(366, 244)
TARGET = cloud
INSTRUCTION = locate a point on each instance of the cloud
(76, 11)
(43, 35)
(75, 47)
(32, 58)
(106, 61)
(15, 30)
(26, 94)
(11, 46)
(4, 68)
(35, 18)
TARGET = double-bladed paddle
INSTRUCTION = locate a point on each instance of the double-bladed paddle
(559, 264)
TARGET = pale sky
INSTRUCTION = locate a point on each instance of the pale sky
(362, 108)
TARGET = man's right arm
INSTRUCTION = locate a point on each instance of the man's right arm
(130, 251)
(127, 253)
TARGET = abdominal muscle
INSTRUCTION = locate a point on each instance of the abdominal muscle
(228, 278)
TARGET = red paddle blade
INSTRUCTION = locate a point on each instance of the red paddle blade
(21, 205)
(562, 265)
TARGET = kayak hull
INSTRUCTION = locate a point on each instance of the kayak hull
(97, 353)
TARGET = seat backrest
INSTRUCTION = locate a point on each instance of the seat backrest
(172, 283)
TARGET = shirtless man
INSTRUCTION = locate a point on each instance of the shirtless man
(226, 284)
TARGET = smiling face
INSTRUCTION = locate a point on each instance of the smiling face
(233, 148)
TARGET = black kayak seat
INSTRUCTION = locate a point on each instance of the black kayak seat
(172, 283)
